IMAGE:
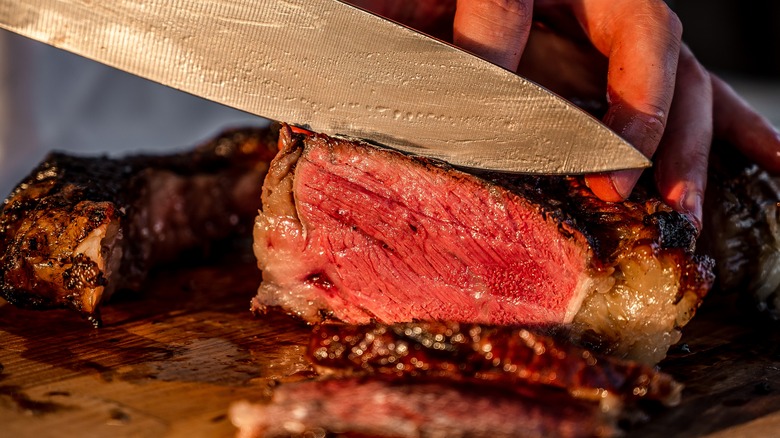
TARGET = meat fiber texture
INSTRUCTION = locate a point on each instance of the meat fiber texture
(356, 233)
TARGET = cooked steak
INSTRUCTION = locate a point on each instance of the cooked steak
(742, 230)
(79, 228)
(356, 233)
(501, 356)
(378, 408)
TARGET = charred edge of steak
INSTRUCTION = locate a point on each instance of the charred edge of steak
(374, 407)
(611, 228)
(78, 228)
(496, 355)
(617, 233)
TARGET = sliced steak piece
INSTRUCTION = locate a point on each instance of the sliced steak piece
(502, 356)
(79, 228)
(356, 233)
(378, 408)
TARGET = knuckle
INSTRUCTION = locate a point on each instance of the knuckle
(515, 7)
(666, 18)
(658, 17)
(656, 126)
(672, 22)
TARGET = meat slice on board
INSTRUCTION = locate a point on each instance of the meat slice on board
(381, 408)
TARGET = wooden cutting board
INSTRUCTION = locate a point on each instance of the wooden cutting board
(170, 361)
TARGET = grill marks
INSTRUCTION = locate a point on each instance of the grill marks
(503, 356)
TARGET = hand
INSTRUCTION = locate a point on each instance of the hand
(658, 96)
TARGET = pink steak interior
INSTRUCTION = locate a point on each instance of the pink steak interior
(387, 237)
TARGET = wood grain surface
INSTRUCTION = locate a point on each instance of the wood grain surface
(166, 363)
(170, 361)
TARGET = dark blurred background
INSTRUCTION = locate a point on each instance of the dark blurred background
(740, 41)
(733, 36)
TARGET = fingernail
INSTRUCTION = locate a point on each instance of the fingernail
(691, 205)
(624, 181)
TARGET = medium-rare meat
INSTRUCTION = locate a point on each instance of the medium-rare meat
(79, 228)
(499, 356)
(379, 408)
(356, 233)
(449, 379)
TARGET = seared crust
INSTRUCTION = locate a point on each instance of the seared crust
(611, 228)
(618, 234)
(66, 227)
(490, 355)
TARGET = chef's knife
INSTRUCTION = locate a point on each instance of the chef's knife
(333, 68)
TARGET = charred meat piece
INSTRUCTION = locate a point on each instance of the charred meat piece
(742, 230)
(378, 408)
(502, 356)
(356, 233)
(79, 228)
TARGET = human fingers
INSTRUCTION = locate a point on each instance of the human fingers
(642, 41)
(495, 30)
(682, 157)
(740, 125)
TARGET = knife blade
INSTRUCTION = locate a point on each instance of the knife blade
(333, 68)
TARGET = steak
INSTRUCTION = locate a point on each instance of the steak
(356, 233)
(500, 356)
(381, 408)
(742, 231)
(449, 379)
(79, 228)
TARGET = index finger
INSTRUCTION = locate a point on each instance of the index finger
(642, 40)
(495, 30)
